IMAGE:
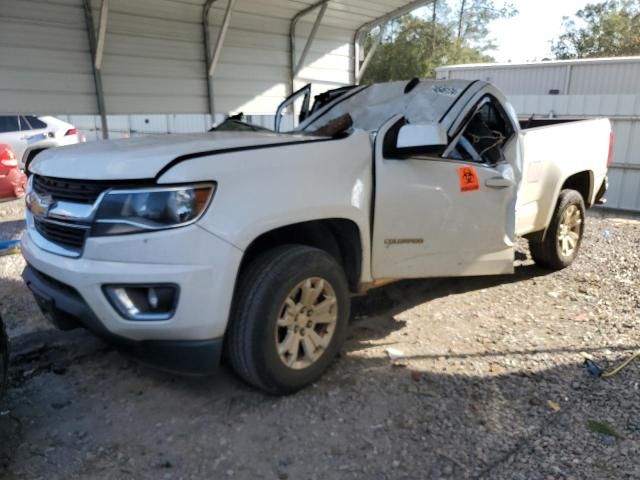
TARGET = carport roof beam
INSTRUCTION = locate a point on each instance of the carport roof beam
(222, 33)
(360, 70)
(102, 32)
(207, 53)
(211, 58)
(97, 74)
(297, 65)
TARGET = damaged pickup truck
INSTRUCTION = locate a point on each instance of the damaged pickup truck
(246, 245)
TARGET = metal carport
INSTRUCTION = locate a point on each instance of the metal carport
(119, 57)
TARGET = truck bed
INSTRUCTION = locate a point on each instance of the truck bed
(553, 154)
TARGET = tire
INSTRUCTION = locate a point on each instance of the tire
(4, 358)
(257, 328)
(552, 252)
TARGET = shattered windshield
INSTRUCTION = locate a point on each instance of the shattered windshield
(426, 101)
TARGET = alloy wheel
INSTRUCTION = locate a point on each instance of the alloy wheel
(569, 230)
(306, 323)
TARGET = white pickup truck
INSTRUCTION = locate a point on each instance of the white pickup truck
(246, 244)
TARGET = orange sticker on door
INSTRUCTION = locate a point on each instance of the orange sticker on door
(468, 179)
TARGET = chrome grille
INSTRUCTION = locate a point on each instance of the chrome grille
(67, 230)
(70, 190)
(67, 234)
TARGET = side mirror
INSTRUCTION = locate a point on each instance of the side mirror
(421, 137)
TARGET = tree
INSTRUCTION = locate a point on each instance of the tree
(413, 46)
(606, 29)
(474, 18)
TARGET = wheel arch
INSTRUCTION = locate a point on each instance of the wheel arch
(583, 183)
(546, 251)
(339, 237)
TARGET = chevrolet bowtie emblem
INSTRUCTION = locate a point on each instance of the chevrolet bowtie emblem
(39, 204)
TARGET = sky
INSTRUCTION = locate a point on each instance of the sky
(527, 36)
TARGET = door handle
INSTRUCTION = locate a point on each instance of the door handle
(499, 182)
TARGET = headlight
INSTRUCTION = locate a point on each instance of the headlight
(145, 209)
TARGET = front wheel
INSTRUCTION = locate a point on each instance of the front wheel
(563, 239)
(290, 318)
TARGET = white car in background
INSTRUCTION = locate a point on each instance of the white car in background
(29, 135)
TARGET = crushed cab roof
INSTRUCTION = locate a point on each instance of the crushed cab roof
(371, 106)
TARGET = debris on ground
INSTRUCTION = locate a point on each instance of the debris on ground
(9, 247)
(394, 353)
(597, 371)
(482, 356)
(603, 428)
(555, 406)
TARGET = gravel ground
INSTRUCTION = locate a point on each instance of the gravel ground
(486, 381)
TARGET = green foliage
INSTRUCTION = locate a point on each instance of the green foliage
(603, 428)
(473, 18)
(606, 29)
(414, 46)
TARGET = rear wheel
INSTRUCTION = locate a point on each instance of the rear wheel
(289, 318)
(563, 239)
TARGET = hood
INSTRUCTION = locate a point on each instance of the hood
(144, 157)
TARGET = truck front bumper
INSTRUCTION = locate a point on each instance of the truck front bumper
(71, 293)
(66, 309)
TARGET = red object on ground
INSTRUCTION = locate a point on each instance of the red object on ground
(8, 160)
(12, 181)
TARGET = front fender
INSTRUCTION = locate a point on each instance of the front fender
(260, 190)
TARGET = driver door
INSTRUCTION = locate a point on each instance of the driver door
(449, 213)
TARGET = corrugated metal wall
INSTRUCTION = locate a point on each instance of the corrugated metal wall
(621, 77)
(609, 87)
(154, 51)
(45, 64)
(514, 79)
(153, 57)
(125, 126)
(154, 54)
(576, 77)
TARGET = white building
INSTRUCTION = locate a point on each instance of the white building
(577, 89)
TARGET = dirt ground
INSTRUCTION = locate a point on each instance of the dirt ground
(486, 381)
